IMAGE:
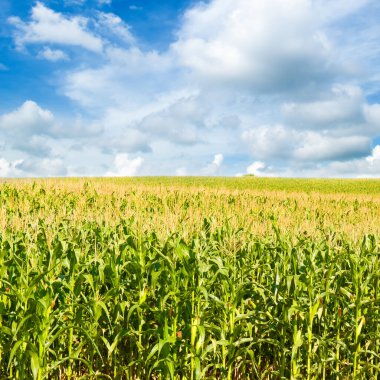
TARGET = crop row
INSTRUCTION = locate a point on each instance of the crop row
(101, 302)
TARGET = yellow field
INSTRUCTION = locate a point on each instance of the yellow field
(180, 205)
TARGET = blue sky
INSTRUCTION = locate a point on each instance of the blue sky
(182, 87)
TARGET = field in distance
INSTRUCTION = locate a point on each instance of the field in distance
(189, 278)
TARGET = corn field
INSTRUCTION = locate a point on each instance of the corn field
(189, 279)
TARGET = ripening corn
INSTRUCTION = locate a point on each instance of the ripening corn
(148, 280)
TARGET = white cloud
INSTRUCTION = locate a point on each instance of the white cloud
(131, 141)
(9, 168)
(315, 147)
(35, 131)
(375, 156)
(116, 26)
(53, 55)
(125, 166)
(75, 128)
(215, 166)
(129, 78)
(45, 167)
(179, 122)
(366, 167)
(256, 168)
(52, 167)
(372, 115)
(218, 160)
(38, 146)
(271, 141)
(47, 26)
(343, 106)
(294, 94)
(337, 9)
(280, 142)
(236, 43)
(232, 45)
(28, 119)
(181, 172)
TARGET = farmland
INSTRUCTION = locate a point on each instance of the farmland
(189, 278)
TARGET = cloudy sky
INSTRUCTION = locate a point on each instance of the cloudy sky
(183, 87)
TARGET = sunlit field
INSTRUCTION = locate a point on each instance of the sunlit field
(189, 278)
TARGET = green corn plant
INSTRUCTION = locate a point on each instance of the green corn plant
(158, 279)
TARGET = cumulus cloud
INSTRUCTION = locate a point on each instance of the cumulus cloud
(218, 160)
(9, 168)
(35, 131)
(77, 127)
(214, 167)
(125, 166)
(48, 26)
(315, 147)
(291, 99)
(235, 43)
(365, 167)
(27, 120)
(45, 167)
(271, 141)
(53, 55)
(111, 23)
(343, 106)
(372, 115)
(179, 122)
(368, 167)
(256, 168)
(280, 142)
(27, 129)
(129, 77)
(375, 156)
(38, 146)
(131, 141)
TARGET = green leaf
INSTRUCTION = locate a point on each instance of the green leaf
(34, 363)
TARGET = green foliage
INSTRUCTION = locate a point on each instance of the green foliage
(130, 298)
